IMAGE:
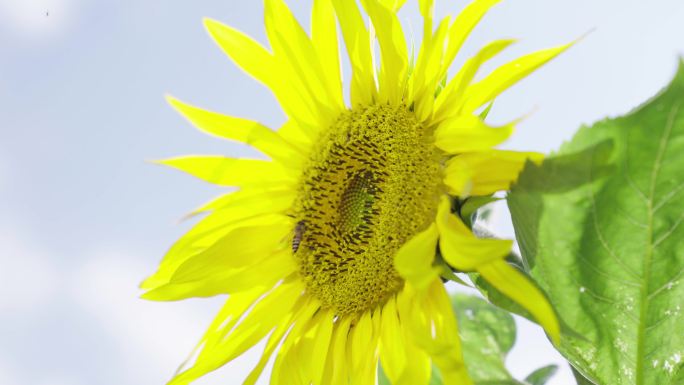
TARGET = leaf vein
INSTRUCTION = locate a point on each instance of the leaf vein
(648, 258)
(633, 221)
(658, 323)
(666, 285)
(670, 231)
(604, 243)
(671, 195)
(612, 302)
(602, 273)
(630, 181)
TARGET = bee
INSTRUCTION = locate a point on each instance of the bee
(298, 234)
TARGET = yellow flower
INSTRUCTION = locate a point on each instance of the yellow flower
(327, 250)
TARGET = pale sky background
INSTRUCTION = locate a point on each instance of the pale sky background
(83, 218)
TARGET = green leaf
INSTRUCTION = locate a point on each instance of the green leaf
(474, 207)
(678, 379)
(542, 375)
(447, 274)
(600, 228)
(581, 380)
(436, 377)
(488, 334)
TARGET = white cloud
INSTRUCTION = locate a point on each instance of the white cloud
(37, 18)
(153, 338)
(28, 277)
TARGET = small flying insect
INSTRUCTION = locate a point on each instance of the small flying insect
(298, 234)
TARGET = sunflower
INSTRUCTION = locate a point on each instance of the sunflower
(331, 251)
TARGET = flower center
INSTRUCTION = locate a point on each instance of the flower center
(372, 182)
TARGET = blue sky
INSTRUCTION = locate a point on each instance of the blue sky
(83, 217)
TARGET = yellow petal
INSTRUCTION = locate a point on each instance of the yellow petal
(286, 369)
(414, 324)
(426, 8)
(230, 171)
(257, 323)
(414, 259)
(340, 346)
(362, 348)
(431, 323)
(464, 24)
(267, 69)
(393, 5)
(208, 283)
(486, 172)
(272, 308)
(366, 373)
(232, 312)
(291, 368)
(241, 130)
(420, 368)
(242, 247)
(329, 364)
(393, 49)
(392, 347)
(361, 337)
(403, 362)
(228, 316)
(308, 352)
(295, 51)
(426, 76)
(358, 43)
(297, 135)
(460, 248)
(467, 133)
(448, 102)
(446, 344)
(273, 341)
(324, 37)
(252, 198)
(207, 232)
(247, 54)
(505, 76)
(214, 227)
(516, 286)
(301, 359)
(319, 348)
